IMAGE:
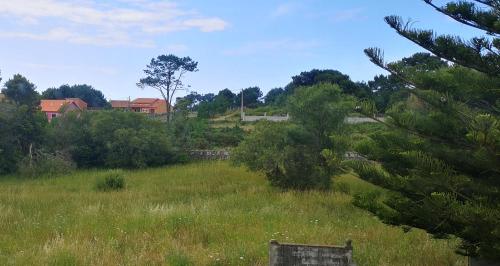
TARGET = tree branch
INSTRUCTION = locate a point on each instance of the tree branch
(426, 40)
(461, 20)
(487, 3)
(376, 57)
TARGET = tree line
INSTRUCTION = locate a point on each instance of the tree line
(383, 90)
(23, 92)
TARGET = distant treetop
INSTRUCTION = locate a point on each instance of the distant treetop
(93, 97)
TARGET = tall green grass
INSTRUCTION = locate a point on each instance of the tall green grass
(197, 214)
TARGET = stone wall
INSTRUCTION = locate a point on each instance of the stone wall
(479, 262)
(254, 118)
(226, 155)
(209, 155)
(309, 255)
(359, 120)
(349, 120)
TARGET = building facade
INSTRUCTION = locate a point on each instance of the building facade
(56, 108)
(142, 105)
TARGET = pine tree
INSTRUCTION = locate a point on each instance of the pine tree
(440, 158)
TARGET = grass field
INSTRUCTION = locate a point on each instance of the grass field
(196, 214)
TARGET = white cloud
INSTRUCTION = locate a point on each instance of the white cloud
(283, 10)
(348, 15)
(52, 67)
(176, 48)
(63, 34)
(206, 25)
(98, 23)
(285, 45)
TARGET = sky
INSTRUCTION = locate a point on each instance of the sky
(238, 44)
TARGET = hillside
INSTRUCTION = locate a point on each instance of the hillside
(196, 214)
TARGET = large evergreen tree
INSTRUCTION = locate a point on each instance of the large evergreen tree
(315, 76)
(275, 97)
(440, 156)
(251, 97)
(165, 74)
(93, 97)
(22, 125)
(20, 90)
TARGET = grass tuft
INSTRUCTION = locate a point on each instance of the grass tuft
(112, 181)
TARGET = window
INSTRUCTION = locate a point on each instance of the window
(53, 115)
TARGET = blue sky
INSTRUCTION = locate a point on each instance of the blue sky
(238, 44)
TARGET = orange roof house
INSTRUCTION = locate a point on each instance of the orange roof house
(79, 102)
(120, 104)
(142, 105)
(54, 108)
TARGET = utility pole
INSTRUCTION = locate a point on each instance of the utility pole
(242, 111)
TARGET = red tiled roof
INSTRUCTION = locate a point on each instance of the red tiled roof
(145, 100)
(148, 103)
(52, 105)
(55, 105)
(79, 102)
(120, 104)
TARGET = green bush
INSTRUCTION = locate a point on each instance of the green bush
(20, 129)
(113, 181)
(225, 137)
(300, 170)
(301, 154)
(197, 133)
(283, 152)
(268, 110)
(45, 164)
(112, 139)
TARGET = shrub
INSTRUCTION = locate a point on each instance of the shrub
(300, 170)
(197, 133)
(283, 152)
(225, 137)
(112, 139)
(113, 181)
(45, 164)
(303, 153)
(20, 129)
(138, 149)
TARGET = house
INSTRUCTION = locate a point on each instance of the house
(120, 105)
(142, 105)
(4, 99)
(55, 108)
